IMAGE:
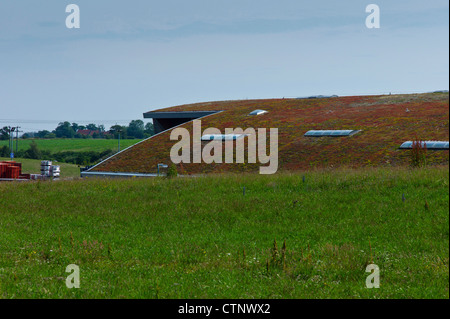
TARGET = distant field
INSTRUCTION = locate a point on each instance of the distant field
(205, 237)
(78, 144)
(31, 166)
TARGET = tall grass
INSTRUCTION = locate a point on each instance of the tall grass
(418, 153)
(299, 235)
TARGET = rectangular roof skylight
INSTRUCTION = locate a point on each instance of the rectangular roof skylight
(431, 145)
(257, 112)
(222, 137)
(318, 133)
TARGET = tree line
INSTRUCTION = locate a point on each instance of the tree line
(135, 129)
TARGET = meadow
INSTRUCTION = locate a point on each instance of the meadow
(302, 235)
(73, 144)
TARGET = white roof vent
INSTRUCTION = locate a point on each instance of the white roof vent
(319, 133)
(222, 137)
(431, 145)
(257, 112)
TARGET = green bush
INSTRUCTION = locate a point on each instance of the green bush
(4, 151)
(172, 171)
(33, 152)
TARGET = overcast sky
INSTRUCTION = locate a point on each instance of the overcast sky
(129, 57)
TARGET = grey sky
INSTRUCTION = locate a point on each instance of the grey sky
(130, 57)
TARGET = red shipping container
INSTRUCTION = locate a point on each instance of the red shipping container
(12, 172)
(10, 169)
(15, 172)
(12, 163)
(3, 167)
(6, 171)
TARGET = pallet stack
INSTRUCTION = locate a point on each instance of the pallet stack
(49, 170)
(12, 170)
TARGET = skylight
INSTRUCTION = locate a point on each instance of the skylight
(257, 112)
(431, 145)
(319, 133)
(222, 137)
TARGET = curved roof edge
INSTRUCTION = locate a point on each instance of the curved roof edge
(108, 158)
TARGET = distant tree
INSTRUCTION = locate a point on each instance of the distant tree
(75, 127)
(136, 129)
(64, 129)
(42, 134)
(4, 133)
(91, 127)
(102, 131)
(149, 128)
(115, 129)
(50, 135)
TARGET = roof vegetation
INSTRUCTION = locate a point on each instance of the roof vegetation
(385, 122)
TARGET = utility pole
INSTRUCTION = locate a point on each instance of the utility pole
(11, 141)
(9, 138)
(118, 130)
(17, 138)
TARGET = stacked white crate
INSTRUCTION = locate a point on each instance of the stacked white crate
(55, 170)
(49, 170)
(46, 168)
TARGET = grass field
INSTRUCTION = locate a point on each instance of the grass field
(32, 166)
(205, 237)
(75, 144)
